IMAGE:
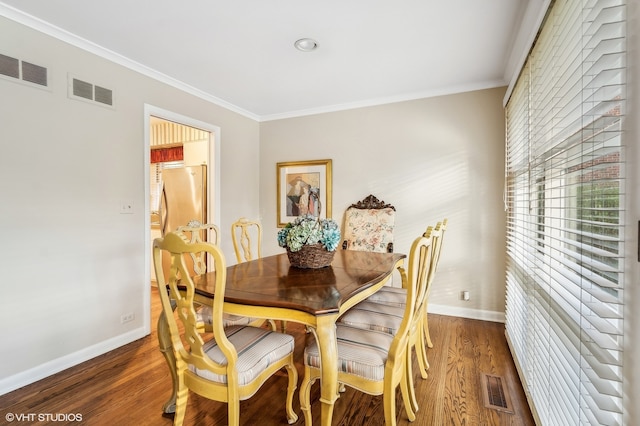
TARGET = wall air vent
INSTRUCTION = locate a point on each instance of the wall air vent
(34, 73)
(82, 89)
(89, 92)
(9, 66)
(18, 70)
(103, 95)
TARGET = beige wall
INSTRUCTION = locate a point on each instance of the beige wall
(67, 165)
(71, 263)
(430, 158)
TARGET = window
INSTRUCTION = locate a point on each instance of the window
(565, 188)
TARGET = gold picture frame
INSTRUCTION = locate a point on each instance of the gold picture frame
(303, 187)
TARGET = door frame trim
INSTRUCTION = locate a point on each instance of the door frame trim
(213, 195)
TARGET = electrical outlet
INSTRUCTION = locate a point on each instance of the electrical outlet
(127, 317)
(464, 295)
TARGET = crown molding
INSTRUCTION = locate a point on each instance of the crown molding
(451, 90)
(74, 40)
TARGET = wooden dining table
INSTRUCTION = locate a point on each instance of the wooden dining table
(270, 288)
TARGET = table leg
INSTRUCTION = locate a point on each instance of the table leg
(164, 339)
(327, 344)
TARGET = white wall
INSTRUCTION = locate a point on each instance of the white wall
(72, 264)
(430, 158)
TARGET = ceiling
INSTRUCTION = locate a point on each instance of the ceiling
(240, 53)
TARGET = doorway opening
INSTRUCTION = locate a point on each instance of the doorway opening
(176, 141)
(179, 157)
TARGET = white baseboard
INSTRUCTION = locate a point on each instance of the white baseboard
(478, 314)
(11, 383)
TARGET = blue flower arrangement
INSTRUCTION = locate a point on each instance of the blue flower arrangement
(309, 230)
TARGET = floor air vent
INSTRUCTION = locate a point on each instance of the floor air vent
(23, 71)
(495, 395)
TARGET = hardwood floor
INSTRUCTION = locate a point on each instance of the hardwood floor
(129, 385)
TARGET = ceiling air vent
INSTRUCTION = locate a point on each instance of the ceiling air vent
(23, 71)
(83, 90)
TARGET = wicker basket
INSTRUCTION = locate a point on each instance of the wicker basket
(310, 256)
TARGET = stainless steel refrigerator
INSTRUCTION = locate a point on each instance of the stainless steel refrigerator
(184, 197)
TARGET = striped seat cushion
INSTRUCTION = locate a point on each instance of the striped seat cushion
(360, 352)
(374, 316)
(205, 314)
(257, 349)
(394, 296)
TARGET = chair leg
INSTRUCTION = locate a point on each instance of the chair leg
(233, 409)
(408, 393)
(292, 372)
(389, 402)
(426, 330)
(305, 395)
(412, 403)
(423, 346)
(272, 325)
(417, 343)
(164, 340)
(182, 395)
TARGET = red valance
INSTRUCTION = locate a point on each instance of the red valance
(163, 155)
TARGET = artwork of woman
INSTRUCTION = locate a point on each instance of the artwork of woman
(302, 196)
(304, 203)
(293, 195)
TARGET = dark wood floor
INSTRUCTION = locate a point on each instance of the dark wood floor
(129, 385)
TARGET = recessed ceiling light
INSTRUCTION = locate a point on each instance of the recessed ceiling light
(306, 44)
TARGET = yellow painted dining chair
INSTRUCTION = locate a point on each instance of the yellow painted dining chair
(229, 364)
(196, 232)
(373, 361)
(247, 239)
(396, 296)
(388, 317)
(246, 236)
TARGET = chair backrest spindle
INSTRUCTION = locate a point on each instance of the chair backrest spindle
(247, 239)
(196, 232)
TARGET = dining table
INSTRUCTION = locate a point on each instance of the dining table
(270, 288)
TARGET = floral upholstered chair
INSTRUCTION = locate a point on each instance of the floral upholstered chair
(368, 226)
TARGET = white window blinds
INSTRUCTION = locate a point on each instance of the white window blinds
(565, 191)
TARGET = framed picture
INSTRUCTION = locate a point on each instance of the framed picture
(304, 187)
